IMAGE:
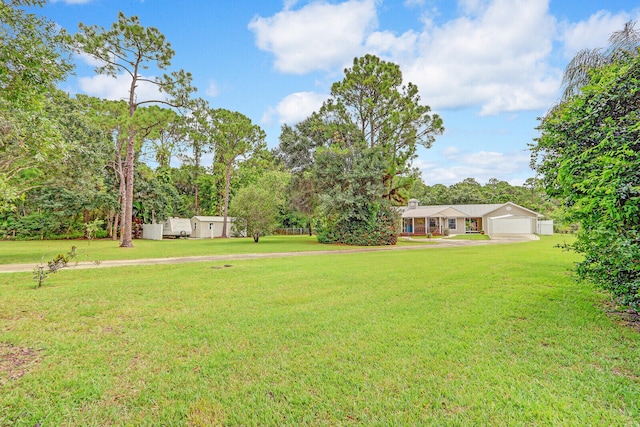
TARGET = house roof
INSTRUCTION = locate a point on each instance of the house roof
(469, 211)
(433, 211)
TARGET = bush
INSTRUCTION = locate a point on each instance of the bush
(588, 155)
(380, 229)
(611, 261)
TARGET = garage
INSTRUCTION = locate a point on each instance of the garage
(510, 224)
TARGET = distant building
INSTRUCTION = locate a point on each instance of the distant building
(503, 218)
(208, 227)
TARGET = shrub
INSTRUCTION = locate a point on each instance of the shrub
(41, 273)
(381, 228)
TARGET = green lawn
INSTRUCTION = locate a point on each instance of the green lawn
(482, 335)
(20, 252)
(471, 237)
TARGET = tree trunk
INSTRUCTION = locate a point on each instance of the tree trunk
(227, 180)
(110, 223)
(119, 168)
(116, 226)
(127, 211)
(196, 209)
(86, 222)
(127, 214)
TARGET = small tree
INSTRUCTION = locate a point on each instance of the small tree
(199, 140)
(92, 228)
(41, 273)
(235, 136)
(256, 207)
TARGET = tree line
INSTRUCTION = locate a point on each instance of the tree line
(469, 191)
(78, 165)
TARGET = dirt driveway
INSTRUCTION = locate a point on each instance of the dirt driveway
(436, 243)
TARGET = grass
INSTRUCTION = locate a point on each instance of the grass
(23, 252)
(470, 237)
(483, 335)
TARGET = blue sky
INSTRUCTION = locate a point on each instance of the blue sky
(488, 67)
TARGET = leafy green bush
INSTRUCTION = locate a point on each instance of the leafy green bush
(612, 261)
(588, 154)
(381, 228)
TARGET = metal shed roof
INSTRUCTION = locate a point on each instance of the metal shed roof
(209, 218)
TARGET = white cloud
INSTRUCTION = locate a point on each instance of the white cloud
(288, 4)
(482, 166)
(594, 32)
(295, 108)
(212, 89)
(319, 36)
(396, 48)
(472, 7)
(451, 151)
(90, 59)
(495, 55)
(117, 88)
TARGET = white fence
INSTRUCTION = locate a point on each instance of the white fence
(292, 231)
(545, 228)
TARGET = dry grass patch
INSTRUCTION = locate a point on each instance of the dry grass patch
(16, 361)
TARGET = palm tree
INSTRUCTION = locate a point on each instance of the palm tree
(625, 42)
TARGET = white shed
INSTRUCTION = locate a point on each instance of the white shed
(208, 227)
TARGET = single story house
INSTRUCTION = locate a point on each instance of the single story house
(502, 218)
(208, 227)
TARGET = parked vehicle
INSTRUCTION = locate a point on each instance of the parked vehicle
(177, 227)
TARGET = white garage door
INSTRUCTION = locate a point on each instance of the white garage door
(513, 225)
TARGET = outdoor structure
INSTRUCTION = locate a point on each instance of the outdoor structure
(208, 227)
(152, 231)
(176, 227)
(503, 218)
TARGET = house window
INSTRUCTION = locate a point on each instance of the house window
(210, 226)
(432, 222)
(452, 223)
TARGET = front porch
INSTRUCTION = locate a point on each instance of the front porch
(419, 227)
(439, 226)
